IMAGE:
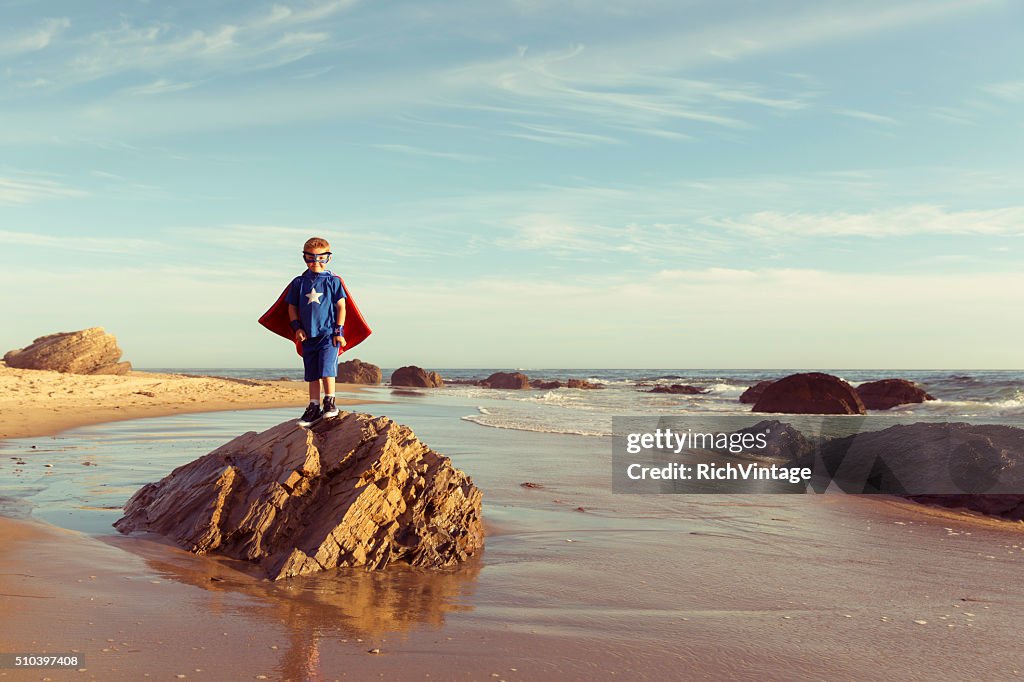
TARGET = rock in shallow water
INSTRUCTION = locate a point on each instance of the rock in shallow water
(512, 380)
(888, 393)
(809, 393)
(359, 372)
(356, 491)
(751, 395)
(416, 377)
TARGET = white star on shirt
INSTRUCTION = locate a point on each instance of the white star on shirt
(314, 296)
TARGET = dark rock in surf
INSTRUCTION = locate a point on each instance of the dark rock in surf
(888, 393)
(810, 393)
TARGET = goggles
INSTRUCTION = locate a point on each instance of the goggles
(316, 257)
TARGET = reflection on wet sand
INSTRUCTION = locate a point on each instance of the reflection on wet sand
(345, 604)
(406, 392)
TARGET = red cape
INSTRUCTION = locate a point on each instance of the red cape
(356, 330)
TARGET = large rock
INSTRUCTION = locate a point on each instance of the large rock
(513, 380)
(89, 351)
(411, 375)
(888, 393)
(359, 372)
(810, 393)
(359, 491)
(979, 467)
(750, 396)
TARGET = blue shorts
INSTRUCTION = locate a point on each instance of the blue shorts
(320, 357)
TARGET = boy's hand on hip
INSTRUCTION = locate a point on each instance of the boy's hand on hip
(339, 340)
(300, 335)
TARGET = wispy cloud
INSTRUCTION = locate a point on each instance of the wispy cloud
(1012, 91)
(34, 39)
(995, 99)
(158, 87)
(236, 45)
(420, 151)
(645, 86)
(618, 85)
(572, 86)
(867, 116)
(903, 221)
(102, 245)
(28, 190)
(561, 137)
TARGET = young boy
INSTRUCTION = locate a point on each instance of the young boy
(316, 309)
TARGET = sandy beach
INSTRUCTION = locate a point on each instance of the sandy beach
(575, 582)
(39, 402)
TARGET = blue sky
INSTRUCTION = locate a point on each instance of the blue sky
(522, 183)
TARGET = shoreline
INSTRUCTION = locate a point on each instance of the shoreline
(138, 606)
(39, 403)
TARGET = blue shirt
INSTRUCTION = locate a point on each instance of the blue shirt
(316, 296)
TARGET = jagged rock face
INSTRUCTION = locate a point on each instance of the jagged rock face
(359, 372)
(810, 393)
(751, 395)
(89, 351)
(359, 491)
(513, 380)
(888, 393)
(418, 377)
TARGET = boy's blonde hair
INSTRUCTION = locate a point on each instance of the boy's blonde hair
(316, 243)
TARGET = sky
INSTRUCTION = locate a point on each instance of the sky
(522, 183)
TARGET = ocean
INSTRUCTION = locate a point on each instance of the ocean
(976, 396)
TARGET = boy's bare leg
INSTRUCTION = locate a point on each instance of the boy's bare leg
(314, 391)
(328, 385)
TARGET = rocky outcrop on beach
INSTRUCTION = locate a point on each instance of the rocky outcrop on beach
(545, 385)
(888, 393)
(356, 490)
(359, 372)
(978, 467)
(810, 393)
(751, 395)
(678, 389)
(512, 380)
(418, 377)
(88, 351)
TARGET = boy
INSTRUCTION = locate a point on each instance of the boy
(316, 311)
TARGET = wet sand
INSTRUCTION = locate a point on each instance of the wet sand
(627, 604)
(631, 587)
